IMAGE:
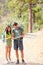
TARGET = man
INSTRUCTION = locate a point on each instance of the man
(18, 35)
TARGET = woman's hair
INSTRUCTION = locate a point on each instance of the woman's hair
(7, 32)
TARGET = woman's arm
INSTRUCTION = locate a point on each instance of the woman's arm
(12, 35)
(8, 37)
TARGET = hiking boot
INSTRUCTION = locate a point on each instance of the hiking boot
(23, 61)
(17, 62)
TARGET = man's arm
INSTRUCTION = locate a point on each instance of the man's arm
(22, 35)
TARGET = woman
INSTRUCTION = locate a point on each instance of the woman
(8, 43)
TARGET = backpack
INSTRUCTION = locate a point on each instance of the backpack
(3, 36)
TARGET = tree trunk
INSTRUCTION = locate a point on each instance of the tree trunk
(30, 18)
(33, 17)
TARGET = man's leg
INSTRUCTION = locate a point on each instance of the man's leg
(16, 50)
(17, 54)
(22, 54)
(21, 49)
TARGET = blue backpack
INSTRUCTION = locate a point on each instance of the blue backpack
(3, 36)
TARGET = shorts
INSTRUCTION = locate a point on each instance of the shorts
(18, 44)
(8, 45)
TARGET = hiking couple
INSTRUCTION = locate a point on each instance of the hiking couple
(18, 42)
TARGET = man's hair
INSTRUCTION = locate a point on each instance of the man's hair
(15, 24)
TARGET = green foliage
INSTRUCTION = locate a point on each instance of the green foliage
(18, 10)
(29, 1)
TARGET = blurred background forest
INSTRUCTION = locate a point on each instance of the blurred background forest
(18, 11)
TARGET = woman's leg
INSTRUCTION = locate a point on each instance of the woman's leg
(9, 51)
(6, 53)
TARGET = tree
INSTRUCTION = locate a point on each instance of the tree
(30, 2)
(22, 10)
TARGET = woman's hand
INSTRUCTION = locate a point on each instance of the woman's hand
(8, 38)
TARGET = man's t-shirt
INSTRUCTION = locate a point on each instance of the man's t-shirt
(18, 32)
